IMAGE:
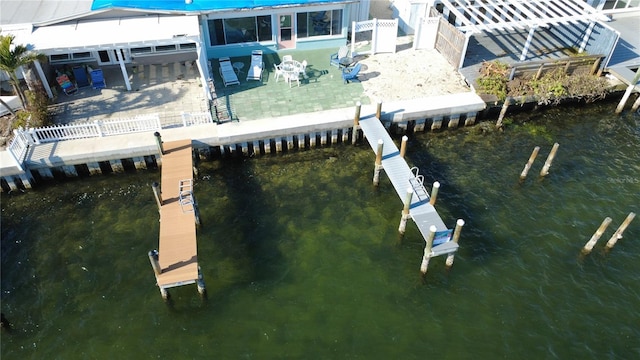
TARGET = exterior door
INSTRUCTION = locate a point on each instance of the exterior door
(112, 57)
(286, 35)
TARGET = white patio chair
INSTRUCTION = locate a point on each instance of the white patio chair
(278, 72)
(294, 76)
(287, 58)
(256, 66)
(227, 73)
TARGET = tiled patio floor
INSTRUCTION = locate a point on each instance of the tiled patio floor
(322, 90)
(170, 89)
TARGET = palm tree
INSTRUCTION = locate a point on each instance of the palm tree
(12, 57)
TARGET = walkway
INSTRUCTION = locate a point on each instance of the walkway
(402, 178)
(178, 247)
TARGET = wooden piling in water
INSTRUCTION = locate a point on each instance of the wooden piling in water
(427, 250)
(627, 92)
(403, 146)
(636, 104)
(379, 110)
(159, 142)
(200, 282)
(155, 264)
(618, 234)
(434, 193)
(456, 238)
(503, 111)
(592, 242)
(547, 163)
(378, 164)
(527, 166)
(405, 211)
(156, 191)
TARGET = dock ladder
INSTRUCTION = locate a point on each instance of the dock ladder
(185, 195)
(417, 184)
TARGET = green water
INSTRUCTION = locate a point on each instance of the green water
(302, 259)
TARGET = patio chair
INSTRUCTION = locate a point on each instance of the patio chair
(278, 72)
(294, 76)
(334, 60)
(80, 74)
(256, 66)
(287, 58)
(66, 85)
(351, 74)
(227, 74)
(97, 78)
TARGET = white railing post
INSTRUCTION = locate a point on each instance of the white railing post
(98, 125)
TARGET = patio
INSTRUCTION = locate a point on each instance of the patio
(170, 89)
(323, 89)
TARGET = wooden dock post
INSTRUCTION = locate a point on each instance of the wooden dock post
(434, 193)
(356, 123)
(627, 92)
(405, 211)
(155, 264)
(503, 111)
(200, 282)
(618, 234)
(403, 146)
(636, 104)
(378, 164)
(547, 164)
(379, 110)
(527, 166)
(592, 242)
(156, 191)
(159, 142)
(456, 238)
(427, 250)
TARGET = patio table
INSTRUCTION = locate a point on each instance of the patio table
(345, 62)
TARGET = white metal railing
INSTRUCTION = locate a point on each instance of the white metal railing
(96, 129)
(189, 119)
(131, 125)
(19, 146)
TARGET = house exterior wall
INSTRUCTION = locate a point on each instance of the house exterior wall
(272, 45)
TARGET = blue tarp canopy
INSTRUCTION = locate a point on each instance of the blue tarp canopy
(200, 5)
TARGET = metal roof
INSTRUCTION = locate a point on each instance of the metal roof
(489, 15)
(94, 35)
(42, 11)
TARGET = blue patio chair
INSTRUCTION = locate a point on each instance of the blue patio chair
(334, 60)
(351, 74)
(97, 79)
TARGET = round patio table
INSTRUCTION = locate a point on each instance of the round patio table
(345, 62)
(238, 66)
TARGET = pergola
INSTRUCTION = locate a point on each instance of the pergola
(474, 17)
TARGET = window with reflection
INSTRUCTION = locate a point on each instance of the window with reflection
(240, 30)
(319, 23)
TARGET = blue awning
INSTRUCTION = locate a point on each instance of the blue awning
(200, 5)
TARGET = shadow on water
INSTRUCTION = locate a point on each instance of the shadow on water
(245, 252)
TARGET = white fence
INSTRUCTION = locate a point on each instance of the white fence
(383, 36)
(25, 138)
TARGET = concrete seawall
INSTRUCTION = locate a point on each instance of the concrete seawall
(86, 157)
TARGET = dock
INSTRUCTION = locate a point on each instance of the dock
(403, 178)
(178, 251)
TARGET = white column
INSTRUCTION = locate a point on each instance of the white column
(525, 50)
(203, 69)
(43, 78)
(123, 68)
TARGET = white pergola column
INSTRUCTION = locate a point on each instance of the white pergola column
(525, 50)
